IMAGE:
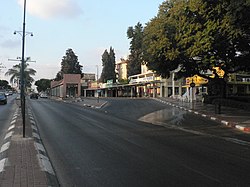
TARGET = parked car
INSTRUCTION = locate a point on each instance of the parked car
(34, 96)
(3, 98)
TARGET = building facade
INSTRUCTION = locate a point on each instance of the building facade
(69, 86)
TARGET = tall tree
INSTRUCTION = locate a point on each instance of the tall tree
(135, 58)
(42, 84)
(4, 84)
(15, 73)
(197, 36)
(108, 63)
(69, 65)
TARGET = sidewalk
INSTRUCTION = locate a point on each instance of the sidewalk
(231, 117)
(23, 161)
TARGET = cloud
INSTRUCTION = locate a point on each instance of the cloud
(47, 9)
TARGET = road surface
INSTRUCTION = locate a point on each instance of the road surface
(128, 143)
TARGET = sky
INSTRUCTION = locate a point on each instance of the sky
(88, 27)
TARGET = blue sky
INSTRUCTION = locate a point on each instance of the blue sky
(87, 26)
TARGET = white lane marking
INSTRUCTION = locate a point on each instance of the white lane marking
(45, 164)
(2, 164)
(9, 134)
(39, 147)
(196, 113)
(5, 147)
(213, 118)
(11, 127)
(234, 140)
(202, 174)
(204, 115)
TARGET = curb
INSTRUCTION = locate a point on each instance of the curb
(243, 128)
(42, 156)
(6, 163)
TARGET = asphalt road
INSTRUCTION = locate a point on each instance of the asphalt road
(124, 144)
(6, 114)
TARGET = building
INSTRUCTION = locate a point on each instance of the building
(121, 69)
(69, 86)
(238, 84)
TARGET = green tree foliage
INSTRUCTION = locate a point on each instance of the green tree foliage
(198, 35)
(42, 84)
(69, 65)
(108, 63)
(135, 58)
(15, 73)
(4, 84)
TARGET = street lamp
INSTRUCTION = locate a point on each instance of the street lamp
(23, 33)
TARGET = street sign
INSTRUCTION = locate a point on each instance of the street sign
(192, 84)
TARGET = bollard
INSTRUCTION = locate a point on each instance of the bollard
(217, 108)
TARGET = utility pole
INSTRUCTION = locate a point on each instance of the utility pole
(97, 82)
(23, 33)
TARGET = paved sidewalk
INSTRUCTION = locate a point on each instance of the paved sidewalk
(231, 117)
(20, 163)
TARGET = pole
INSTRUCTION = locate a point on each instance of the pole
(97, 83)
(173, 85)
(22, 71)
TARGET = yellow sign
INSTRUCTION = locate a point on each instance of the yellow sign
(219, 71)
(197, 80)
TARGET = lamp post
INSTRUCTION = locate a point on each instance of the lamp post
(23, 33)
(97, 82)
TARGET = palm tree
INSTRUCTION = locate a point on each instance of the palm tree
(15, 73)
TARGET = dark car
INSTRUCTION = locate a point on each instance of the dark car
(34, 96)
(3, 98)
